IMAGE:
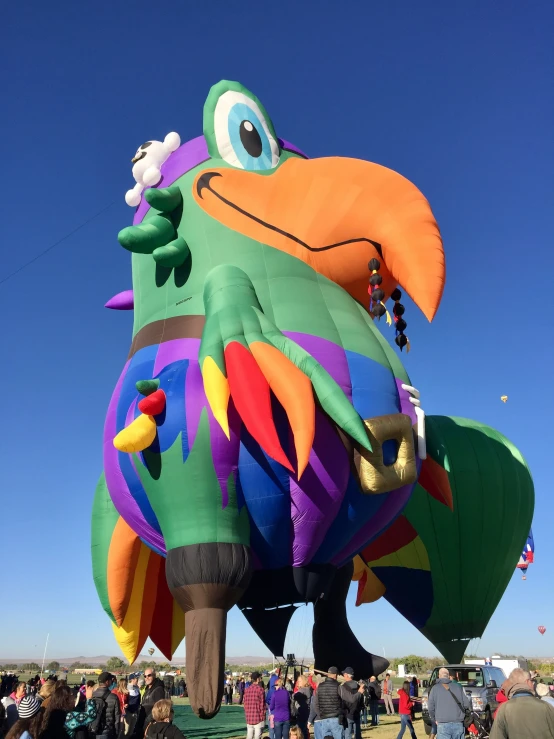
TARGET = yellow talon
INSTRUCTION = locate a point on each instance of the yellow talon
(137, 436)
(216, 387)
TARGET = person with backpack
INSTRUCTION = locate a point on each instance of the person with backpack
(449, 706)
(161, 726)
(108, 715)
(62, 720)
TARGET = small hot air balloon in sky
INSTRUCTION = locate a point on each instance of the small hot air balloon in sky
(542, 629)
(151, 651)
(527, 556)
(503, 398)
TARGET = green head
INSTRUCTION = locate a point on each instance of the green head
(250, 201)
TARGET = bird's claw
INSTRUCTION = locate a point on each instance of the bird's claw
(243, 355)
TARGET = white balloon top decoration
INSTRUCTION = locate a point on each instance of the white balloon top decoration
(147, 164)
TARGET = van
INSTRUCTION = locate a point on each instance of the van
(480, 683)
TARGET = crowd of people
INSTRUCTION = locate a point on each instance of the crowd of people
(328, 708)
(140, 707)
(49, 708)
(340, 710)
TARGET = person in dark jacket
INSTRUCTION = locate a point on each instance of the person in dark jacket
(374, 691)
(161, 724)
(352, 696)
(133, 705)
(327, 706)
(301, 704)
(524, 716)
(153, 693)
(108, 713)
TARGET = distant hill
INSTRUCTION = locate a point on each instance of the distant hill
(103, 658)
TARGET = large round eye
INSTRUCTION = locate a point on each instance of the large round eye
(242, 134)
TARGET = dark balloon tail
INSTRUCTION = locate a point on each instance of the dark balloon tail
(271, 626)
(207, 580)
(333, 640)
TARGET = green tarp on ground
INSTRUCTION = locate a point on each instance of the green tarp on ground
(229, 722)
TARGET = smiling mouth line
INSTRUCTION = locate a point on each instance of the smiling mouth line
(204, 183)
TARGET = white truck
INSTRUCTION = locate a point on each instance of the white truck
(507, 665)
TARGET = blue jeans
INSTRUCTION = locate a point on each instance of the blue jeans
(281, 730)
(328, 727)
(406, 723)
(451, 730)
(374, 712)
(363, 716)
(353, 730)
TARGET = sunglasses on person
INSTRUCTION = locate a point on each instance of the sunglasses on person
(149, 675)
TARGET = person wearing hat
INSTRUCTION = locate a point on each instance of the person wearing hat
(352, 696)
(29, 724)
(108, 713)
(328, 708)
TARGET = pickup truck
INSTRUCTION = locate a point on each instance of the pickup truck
(480, 683)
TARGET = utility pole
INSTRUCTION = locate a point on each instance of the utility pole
(44, 655)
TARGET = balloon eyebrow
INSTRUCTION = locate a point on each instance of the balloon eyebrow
(146, 145)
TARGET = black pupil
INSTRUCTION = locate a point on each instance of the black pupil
(250, 138)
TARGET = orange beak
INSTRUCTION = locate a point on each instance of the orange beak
(336, 214)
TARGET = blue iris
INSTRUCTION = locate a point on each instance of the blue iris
(239, 115)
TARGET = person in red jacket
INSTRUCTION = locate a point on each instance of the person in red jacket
(405, 704)
(501, 696)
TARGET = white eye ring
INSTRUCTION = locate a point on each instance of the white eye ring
(221, 127)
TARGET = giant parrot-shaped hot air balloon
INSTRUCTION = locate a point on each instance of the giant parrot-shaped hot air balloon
(262, 431)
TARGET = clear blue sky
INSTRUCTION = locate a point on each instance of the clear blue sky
(457, 96)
